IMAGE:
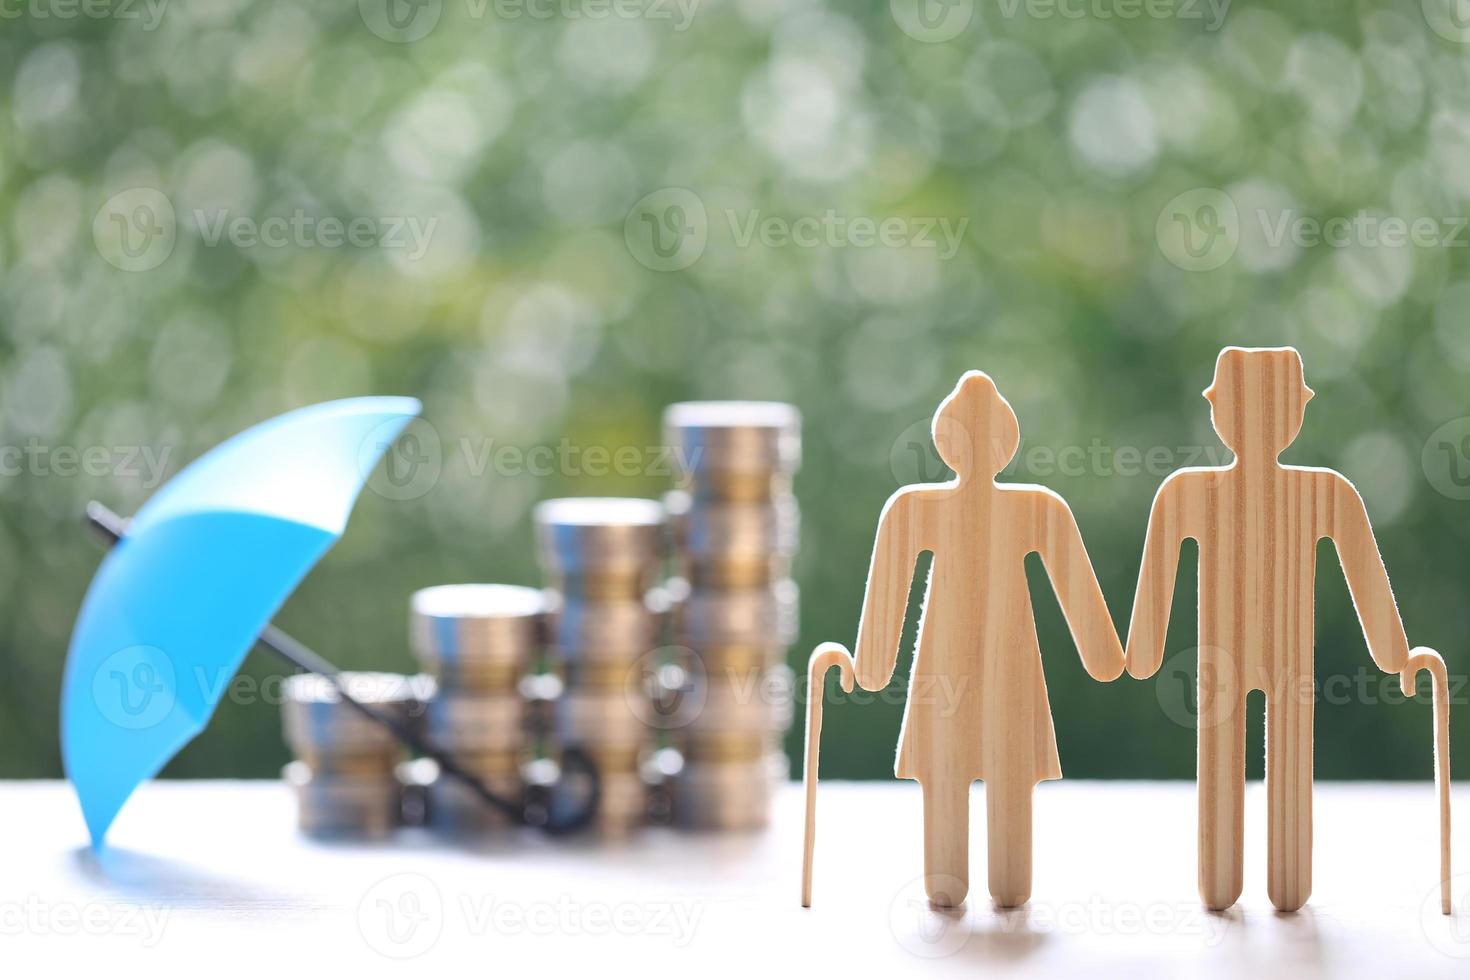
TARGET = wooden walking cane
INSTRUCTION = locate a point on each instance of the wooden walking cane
(824, 656)
(1423, 658)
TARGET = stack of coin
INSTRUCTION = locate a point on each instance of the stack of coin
(477, 641)
(344, 774)
(735, 528)
(602, 556)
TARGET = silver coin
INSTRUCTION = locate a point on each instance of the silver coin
(316, 720)
(463, 632)
(601, 718)
(731, 530)
(464, 722)
(367, 805)
(744, 617)
(734, 437)
(757, 704)
(600, 535)
(609, 629)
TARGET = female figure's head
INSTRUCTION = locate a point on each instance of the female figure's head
(975, 430)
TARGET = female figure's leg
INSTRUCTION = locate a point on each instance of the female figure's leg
(1008, 826)
(946, 840)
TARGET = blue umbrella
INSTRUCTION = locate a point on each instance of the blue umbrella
(193, 581)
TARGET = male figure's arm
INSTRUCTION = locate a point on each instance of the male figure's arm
(1362, 566)
(1167, 529)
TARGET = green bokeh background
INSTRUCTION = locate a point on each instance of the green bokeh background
(531, 318)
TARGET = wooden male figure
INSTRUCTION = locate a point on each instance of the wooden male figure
(1257, 524)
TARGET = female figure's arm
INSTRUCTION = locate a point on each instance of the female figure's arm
(1075, 583)
(886, 598)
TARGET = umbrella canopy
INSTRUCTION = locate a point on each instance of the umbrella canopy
(180, 600)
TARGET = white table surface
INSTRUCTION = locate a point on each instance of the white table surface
(214, 874)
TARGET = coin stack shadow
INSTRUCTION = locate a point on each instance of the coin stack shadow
(735, 530)
(602, 557)
(344, 775)
(477, 641)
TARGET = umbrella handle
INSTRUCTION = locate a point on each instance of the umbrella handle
(1423, 658)
(112, 527)
(825, 656)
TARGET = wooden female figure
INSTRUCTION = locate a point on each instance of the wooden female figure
(977, 706)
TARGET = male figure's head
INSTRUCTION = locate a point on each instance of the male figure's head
(975, 429)
(1258, 399)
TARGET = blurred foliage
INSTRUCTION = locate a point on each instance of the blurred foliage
(532, 316)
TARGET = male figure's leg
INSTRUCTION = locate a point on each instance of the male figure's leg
(1289, 797)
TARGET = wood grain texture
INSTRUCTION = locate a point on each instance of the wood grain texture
(1257, 523)
(1423, 658)
(824, 657)
(977, 705)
